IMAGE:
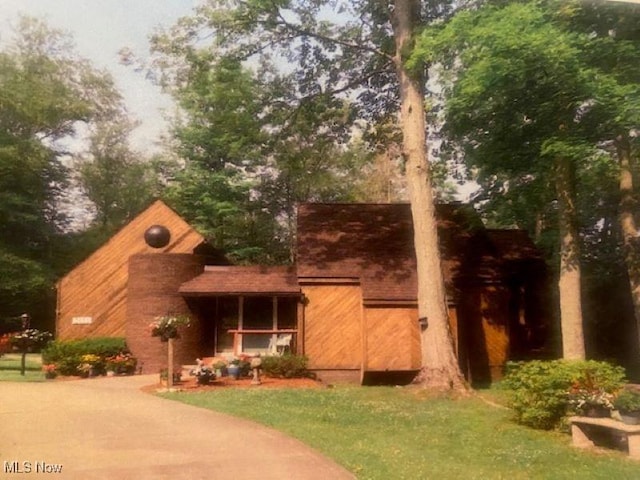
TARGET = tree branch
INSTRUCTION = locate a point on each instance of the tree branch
(325, 38)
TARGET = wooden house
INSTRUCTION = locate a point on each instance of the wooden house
(349, 303)
(92, 298)
(356, 269)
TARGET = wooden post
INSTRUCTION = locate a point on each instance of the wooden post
(170, 363)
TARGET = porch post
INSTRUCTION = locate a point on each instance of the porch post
(274, 318)
(240, 325)
(170, 363)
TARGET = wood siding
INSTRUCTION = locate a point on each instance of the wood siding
(392, 339)
(97, 288)
(333, 326)
(485, 310)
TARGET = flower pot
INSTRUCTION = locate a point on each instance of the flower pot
(50, 375)
(596, 411)
(205, 379)
(630, 418)
(234, 371)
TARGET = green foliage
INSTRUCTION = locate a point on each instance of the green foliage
(526, 82)
(382, 433)
(539, 389)
(9, 325)
(46, 91)
(627, 401)
(115, 179)
(286, 366)
(525, 85)
(68, 355)
(259, 138)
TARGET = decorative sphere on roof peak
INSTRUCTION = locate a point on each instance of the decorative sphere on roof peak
(157, 236)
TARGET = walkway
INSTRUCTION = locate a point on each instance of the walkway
(107, 429)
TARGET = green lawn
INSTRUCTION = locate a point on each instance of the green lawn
(10, 368)
(396, 433)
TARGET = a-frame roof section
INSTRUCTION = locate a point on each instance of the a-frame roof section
(97, 286)
(129, 240)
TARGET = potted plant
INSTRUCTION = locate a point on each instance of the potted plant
(234, 368)
(166, 327)
(627, 403)
(220, 368)
(204, 374)
(591, 402)
(164, 377)
(50, 371)
(26, 341)
(121, 364)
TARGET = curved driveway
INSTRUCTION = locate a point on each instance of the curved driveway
(107, 428)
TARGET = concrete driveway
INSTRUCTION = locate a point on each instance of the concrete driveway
(107, 429)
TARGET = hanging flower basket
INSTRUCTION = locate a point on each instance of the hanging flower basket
(166, 327)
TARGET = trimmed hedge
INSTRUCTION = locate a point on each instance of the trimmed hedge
(286, 366)
(539, 389)
(67, 355)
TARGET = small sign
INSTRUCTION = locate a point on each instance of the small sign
(81, 320)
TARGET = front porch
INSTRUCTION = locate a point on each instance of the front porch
(246, 310)
(233, 326)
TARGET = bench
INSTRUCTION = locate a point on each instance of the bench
(580, 432)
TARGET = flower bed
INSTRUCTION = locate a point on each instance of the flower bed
(190, 384)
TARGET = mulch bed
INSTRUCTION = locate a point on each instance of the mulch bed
(190, 385)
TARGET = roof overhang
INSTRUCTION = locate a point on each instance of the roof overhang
(241, 280)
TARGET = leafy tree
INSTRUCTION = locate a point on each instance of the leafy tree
(45, 90)
(115, 179)
(219, 138)
(528, 102)
(328, 64)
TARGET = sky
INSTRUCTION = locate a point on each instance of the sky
(100, 29)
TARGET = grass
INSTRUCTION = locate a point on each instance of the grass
(383, 433)
(10, 368)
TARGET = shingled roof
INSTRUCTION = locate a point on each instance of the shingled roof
(243, 280)
(374, 244)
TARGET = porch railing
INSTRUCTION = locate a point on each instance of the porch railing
(237, 336)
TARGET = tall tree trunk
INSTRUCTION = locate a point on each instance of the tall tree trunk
(630, 239)
(569, 281)
(440, 367)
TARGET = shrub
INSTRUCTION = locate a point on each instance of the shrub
(627, 401)
(286, 366)
(539, 393)
(68, 355)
